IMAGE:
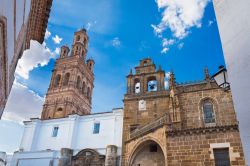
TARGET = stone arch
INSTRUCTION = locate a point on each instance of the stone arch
(139, 146)
(214, 103)
(137, 86)
(57, 80)
(59, 112)
(78, 38)
(88, 157)
(66, 79)
(78, 83)
(83, 87)
(152, 84)
(88, 93)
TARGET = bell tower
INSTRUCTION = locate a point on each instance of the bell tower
(71, 85)
(145, 99)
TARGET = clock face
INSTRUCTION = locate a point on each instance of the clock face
(142, 105)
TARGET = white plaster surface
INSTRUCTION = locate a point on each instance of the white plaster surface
(233, 18)
(75, 132)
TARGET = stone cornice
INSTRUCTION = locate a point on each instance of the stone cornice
(203, 130)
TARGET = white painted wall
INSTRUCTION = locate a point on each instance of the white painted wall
(39, 158)
(233, 19)
(75, 132)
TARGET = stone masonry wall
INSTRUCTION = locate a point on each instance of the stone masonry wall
(192, 113)
(197, 149)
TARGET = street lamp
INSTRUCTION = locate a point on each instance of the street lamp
(221, 78)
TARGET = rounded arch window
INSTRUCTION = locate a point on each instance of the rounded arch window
(88, 92)
(78, 38)
(66, 79)
(152, 84)
(208, 111)
(78, 82)
(57, 80)
(83, 87)
(137, 86)
(59, 109)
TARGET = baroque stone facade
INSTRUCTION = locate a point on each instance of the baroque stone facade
(187, 124)
(71, 86)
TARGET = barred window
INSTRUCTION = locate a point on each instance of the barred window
(208, 112)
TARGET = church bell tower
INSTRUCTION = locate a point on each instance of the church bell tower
(71, 85)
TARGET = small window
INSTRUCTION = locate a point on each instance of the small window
(57, 80)
(66, 79)
(78, 82)
(88, 93)
(78, 38)
(208, 112)
(55, 131)
(96, 128)
(221, 157)
(59, 109)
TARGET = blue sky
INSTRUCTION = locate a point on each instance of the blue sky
(121, 33)
(130, 23)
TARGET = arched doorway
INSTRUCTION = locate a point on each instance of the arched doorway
(88, 157)
(148, 153)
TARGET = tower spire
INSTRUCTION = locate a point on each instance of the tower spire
(71, 85)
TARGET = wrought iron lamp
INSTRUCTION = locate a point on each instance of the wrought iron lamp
(221, 78)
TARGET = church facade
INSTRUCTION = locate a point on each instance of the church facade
(184, 124)
(187, 124)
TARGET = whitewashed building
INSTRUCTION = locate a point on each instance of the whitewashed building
(56, 141)
(233, 19)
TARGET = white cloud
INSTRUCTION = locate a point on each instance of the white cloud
(165, 44)
(90, 25)
(179, 16)
(143, 45)
(57, 50)
(180, 45)
(22, 104)
(47, 34)
(116, 42)
(164, 50)
(36, 56)
(57, 39)
(210, 22)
